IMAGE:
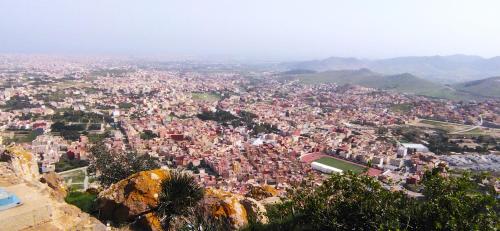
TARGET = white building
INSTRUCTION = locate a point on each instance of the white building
(325, 168)
(410, 148)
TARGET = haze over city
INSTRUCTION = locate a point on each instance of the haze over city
(256, 30)
(261, 115)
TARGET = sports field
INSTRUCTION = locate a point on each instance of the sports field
(340, 164)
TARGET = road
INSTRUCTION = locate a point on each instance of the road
(73, 170)
(480, 124)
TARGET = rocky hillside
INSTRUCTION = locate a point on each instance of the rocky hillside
(43, 202)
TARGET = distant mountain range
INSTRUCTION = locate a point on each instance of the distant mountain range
(406, 83)
(443, 69)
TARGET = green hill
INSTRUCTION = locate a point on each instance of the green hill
(405, 83)
(489, 87)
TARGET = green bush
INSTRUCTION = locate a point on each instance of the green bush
(83, 200)
(356, 202)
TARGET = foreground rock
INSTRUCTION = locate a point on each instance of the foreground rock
(135, 198)
(132, 197)
(42, 208)
(234, 207)
(56, 183)
(261, 192)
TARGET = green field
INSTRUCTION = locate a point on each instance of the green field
(205, 96)
(440, 125)
(340, 164)
(404, 107)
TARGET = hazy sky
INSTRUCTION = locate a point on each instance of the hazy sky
(265, 29)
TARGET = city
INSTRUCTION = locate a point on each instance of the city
(234, 130)
(190, 115)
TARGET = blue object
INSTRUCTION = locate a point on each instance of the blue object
(8, 200)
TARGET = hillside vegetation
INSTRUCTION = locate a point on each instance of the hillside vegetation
(489, 87)
(404, 83)
(355, 202)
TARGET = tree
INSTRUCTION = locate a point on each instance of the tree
(70, 135)
(148, 135)
(342, 202)
(112, 167)
(356, 202)
(179, 195)
(456, 203)
(382, 130)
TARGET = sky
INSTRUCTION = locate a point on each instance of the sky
(252, 29)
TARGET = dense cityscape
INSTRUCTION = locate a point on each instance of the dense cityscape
(259, 115)
(236, 130)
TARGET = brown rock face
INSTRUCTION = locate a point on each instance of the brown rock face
(255, 210)
(132, 197)
(261, 192)
(225, 205)
(56, 183)
(22, 162)
(148, 222)
(41, 208)
(236, 208)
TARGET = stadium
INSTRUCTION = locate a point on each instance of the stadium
(328, 164)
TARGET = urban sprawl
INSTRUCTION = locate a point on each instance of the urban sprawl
(234, 128)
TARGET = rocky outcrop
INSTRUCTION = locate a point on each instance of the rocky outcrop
(56, 183)
(42, 208)
(237, 209)
(148, 221)
(22, 162)
(133, 197)
(255, 210)
(226, 205)
(258, 192)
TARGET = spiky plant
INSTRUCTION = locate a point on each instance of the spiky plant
(179, 195)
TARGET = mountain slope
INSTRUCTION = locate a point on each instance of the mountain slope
(404, 83)
(446, 69)
(340, 77)
(489, 87)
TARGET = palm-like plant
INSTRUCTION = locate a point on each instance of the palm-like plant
(179, 195)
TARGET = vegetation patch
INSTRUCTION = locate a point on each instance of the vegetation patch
(148, 135)
(66, 164)
(84, 200)
(205, 96)
(21, 136)
(403, 107)
(357, 202)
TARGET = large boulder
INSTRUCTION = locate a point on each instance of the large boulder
(132, 197)
(226, 205)
(236, 208)
(56, 183)
(258, 192)
(255, 210)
